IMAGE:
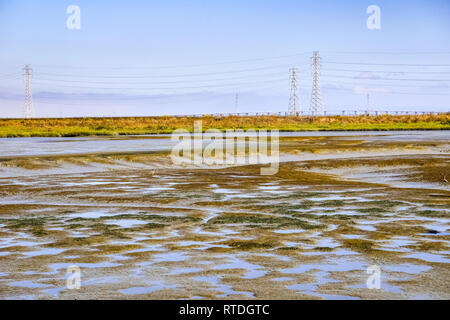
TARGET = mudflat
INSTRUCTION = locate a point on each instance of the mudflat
(139, 227)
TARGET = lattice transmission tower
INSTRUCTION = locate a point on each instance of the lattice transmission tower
(316, 106)
(28, 106)
(293, 100)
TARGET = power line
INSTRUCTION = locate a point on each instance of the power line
(168, 88)
(165, 75)
(163, 82)
(382, 84)
(389, 52)
(396, 92)
(5, 75)
(390, 71)
(388, 64)
(389, 79)
(259, 76)
(179, 66)
(246, 60)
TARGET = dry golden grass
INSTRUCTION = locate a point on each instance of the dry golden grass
(152, 125)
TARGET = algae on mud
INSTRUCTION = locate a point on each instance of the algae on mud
(308, 232)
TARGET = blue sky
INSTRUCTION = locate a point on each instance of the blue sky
(186, 57)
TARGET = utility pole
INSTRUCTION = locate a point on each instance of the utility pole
(367, 106)
(316, 97)
(28, 107)
(293, 99)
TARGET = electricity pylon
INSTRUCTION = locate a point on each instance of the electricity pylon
(316, 98)
(28, 106)
(293, 100)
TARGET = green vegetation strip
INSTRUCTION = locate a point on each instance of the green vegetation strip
(72, 127)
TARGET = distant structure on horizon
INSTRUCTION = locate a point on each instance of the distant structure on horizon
(368, 104)
(293, 99)
(28, 106)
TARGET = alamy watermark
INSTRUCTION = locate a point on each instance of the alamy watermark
(374, 280)
(374, 20)
(73, 22)
(73, 281)
(228, 148)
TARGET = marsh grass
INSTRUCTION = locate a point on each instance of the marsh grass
(360, 245)
(433, 213)
(249, 245)
(263, 221)
(372, 210)
(430, 246)
(72, 127)
(323, 249)
(35, 225)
